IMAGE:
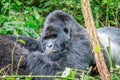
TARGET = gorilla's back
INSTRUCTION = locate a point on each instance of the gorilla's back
(114, 34)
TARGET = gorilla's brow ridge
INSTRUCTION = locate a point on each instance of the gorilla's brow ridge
(50, 32)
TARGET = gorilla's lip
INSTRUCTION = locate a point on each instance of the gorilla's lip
(50, 51)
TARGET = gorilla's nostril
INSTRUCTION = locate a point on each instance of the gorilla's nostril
(49, 45)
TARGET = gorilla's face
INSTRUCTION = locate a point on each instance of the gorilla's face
(55, 39)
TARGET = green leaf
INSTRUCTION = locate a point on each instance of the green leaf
(96, 48)
(21, 41)
(28, 78)
(68, 74)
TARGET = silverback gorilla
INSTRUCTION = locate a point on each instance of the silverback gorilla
(65, 43)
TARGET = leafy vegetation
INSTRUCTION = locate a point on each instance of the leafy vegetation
(26, 17)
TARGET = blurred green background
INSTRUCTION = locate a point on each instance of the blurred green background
(26, 17)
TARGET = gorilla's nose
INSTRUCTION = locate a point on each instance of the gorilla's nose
(49, 46)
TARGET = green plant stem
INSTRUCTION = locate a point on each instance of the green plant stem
(12, 55)
(19, 64)
(33, 76)
(109, 54)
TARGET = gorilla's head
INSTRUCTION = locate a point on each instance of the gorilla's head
(57, 33)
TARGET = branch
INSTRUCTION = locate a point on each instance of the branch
(98, 55)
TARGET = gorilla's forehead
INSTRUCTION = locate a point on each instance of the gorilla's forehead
(54, 26)
(51, 29)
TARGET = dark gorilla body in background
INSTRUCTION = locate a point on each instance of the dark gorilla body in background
(6, 48)
(30, 43)
(65, 43)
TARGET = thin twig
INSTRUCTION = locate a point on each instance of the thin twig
(18, 65)
(12, 54)
(5, 68)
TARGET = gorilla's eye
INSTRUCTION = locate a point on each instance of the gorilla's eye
(66, 30)
(53, 36)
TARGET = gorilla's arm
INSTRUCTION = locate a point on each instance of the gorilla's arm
(40, 56)
(40, 64)
(30, 43)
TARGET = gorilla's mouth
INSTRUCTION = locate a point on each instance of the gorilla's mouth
(50, 51)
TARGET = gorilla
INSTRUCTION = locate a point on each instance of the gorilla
(64, 43)
(6, 51)
(30, 43)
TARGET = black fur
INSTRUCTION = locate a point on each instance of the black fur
(6, 49)
(30, 44)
